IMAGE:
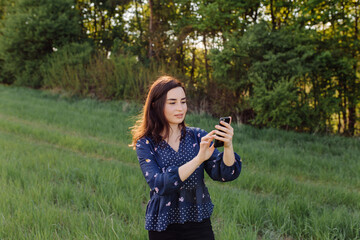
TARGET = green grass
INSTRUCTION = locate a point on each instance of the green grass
(66, 172)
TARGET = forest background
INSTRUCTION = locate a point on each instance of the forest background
(291, 65)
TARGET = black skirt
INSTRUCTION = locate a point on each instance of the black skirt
(189, 230)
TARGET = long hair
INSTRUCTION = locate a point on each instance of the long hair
(151, 121)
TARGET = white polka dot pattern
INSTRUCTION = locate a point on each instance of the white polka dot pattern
(192, 213)
(173, 200)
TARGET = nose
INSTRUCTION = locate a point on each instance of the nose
(179, 106)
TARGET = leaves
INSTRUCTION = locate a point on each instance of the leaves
(218, 46)
(32, 29)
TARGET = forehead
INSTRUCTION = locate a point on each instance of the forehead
(176, 93)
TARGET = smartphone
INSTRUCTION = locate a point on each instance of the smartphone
(219, 143)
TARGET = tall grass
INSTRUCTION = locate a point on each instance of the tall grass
(78, 70)
(66, 172)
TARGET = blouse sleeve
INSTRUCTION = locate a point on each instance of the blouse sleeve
(217, 169)
(162, 181)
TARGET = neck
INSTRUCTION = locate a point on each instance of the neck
(175, 131)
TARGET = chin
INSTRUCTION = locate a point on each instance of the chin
(177, 121)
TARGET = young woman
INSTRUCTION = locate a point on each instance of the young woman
(173, 158)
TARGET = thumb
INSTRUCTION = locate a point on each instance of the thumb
(211, 149)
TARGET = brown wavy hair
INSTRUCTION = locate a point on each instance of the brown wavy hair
(151, 121)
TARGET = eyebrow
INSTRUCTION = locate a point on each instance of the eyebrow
(174, 99)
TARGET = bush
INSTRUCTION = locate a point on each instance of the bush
(122, 76)
(65, 68)
(79, 70)
(32, 29)
(278, 106)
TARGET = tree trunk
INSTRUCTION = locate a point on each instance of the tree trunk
(179, 57)
(339, 123)
(138, 18)
(151, 29)
(206, 61)
(192, 66)
(272, 15)
(102, 29)
(344, 109)
(352, 118)
(95, 25)
(256, 15)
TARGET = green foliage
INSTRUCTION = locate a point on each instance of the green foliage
(2, 10)
(102, 21)
(77, 69)
(32, 30)
(276, 107)
(3, 5)
(115, 78)
(261, 63)
(66, 66)
(216, 46)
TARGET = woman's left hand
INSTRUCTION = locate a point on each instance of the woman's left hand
(226, 135)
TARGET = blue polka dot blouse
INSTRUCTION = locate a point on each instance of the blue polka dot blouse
(172, 200)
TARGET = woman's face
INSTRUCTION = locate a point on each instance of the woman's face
(175, 106)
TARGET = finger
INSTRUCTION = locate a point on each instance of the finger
(219, 127)
(208, 139)
(209, 134)
(205, 143)
(225, 123)
(220, 133)
(222, 139)
(225, 135)
(211, 149)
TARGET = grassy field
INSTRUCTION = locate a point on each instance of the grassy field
(66, 172)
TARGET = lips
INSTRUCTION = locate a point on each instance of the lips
(179, 115)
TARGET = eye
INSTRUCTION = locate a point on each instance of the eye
(183, 102)
(172, 103)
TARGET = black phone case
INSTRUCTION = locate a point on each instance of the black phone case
(219, 143)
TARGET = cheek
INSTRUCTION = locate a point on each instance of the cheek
(167, 110)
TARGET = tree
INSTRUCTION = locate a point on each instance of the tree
(2, 14)
(102, 21)
(2, 9)
(32, 30)
(276, 61)
(337, 23)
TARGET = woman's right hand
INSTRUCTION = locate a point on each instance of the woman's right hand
(204, 154)
(206, 151)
